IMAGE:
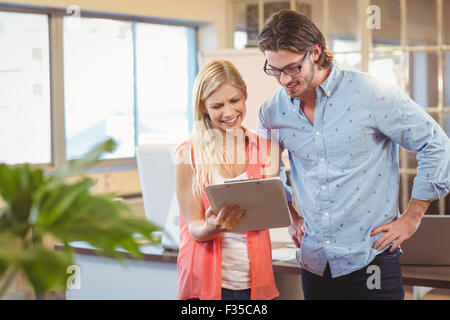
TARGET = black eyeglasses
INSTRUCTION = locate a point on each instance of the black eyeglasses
(290, 71)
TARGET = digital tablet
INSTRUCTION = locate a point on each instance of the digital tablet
(265, 200)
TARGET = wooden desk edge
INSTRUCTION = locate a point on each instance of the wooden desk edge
(166, 256)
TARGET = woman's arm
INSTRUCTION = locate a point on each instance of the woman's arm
(202, 226)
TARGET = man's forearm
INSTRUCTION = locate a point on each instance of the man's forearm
(416, 209)
(296, 229)
(295, 213)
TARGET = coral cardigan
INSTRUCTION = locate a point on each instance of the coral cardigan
(200, 262)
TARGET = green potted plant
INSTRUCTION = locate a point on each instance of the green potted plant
(39, 205)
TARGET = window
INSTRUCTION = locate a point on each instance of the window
(389, 33)
(119, 84)
(98, 86)
(407, 48)
(162, 83)
(387, 66)
(68, 85)
(25, 118)
(346, 54)
(343, 25)
(248, 17)
(245, 23)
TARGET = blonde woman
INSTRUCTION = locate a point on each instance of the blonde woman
(214, 263)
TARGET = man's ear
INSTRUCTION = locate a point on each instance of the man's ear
(316, 52)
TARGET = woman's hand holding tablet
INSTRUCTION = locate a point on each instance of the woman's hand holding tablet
(264, 200)
(227, 219)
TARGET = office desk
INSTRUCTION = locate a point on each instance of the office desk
(154, 277)
(102, 278)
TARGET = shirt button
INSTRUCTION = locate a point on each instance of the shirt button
(323, 187)
(317, 132)
(322, 159)
(328, 241)
(329, 92)
(326, 214)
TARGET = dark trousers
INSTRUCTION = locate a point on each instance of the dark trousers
(228, 294)
(380, 280)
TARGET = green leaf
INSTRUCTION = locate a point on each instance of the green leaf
(99, 220)
(7, 185)
(3, 266)
(103, 223)
(74, 166)
(17, 186)
(60, 200)
(45, 269)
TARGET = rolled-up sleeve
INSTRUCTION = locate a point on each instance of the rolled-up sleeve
(264, 130)
(401, 119)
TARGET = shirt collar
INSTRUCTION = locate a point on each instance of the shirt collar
(330, 83)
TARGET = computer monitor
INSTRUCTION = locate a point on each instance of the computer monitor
(157, 176)
(430, 244)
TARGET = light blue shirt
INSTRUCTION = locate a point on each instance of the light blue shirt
(345, 167)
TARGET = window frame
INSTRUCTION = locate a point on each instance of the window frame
(56, 56)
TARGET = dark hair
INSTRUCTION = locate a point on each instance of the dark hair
(290, 30)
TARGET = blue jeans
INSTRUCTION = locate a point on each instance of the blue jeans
(360, 284)
(228, 294)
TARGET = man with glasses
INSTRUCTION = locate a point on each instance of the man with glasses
(342, 130)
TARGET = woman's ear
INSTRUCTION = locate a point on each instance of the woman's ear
(245, 93)
(205, 112)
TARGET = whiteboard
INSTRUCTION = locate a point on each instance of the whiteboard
(260, 86)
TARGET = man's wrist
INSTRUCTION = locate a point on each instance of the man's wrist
(295, 213)
(417, 208)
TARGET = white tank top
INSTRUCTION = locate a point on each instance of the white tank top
(235, 261)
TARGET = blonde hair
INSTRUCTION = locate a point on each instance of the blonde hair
(207, 157)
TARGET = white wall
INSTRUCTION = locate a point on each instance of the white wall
(260, 87)
(210, 13)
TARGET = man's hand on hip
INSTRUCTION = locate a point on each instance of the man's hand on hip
(402, 228)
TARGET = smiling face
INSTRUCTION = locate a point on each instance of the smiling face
(295, 85)
(226, 107)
